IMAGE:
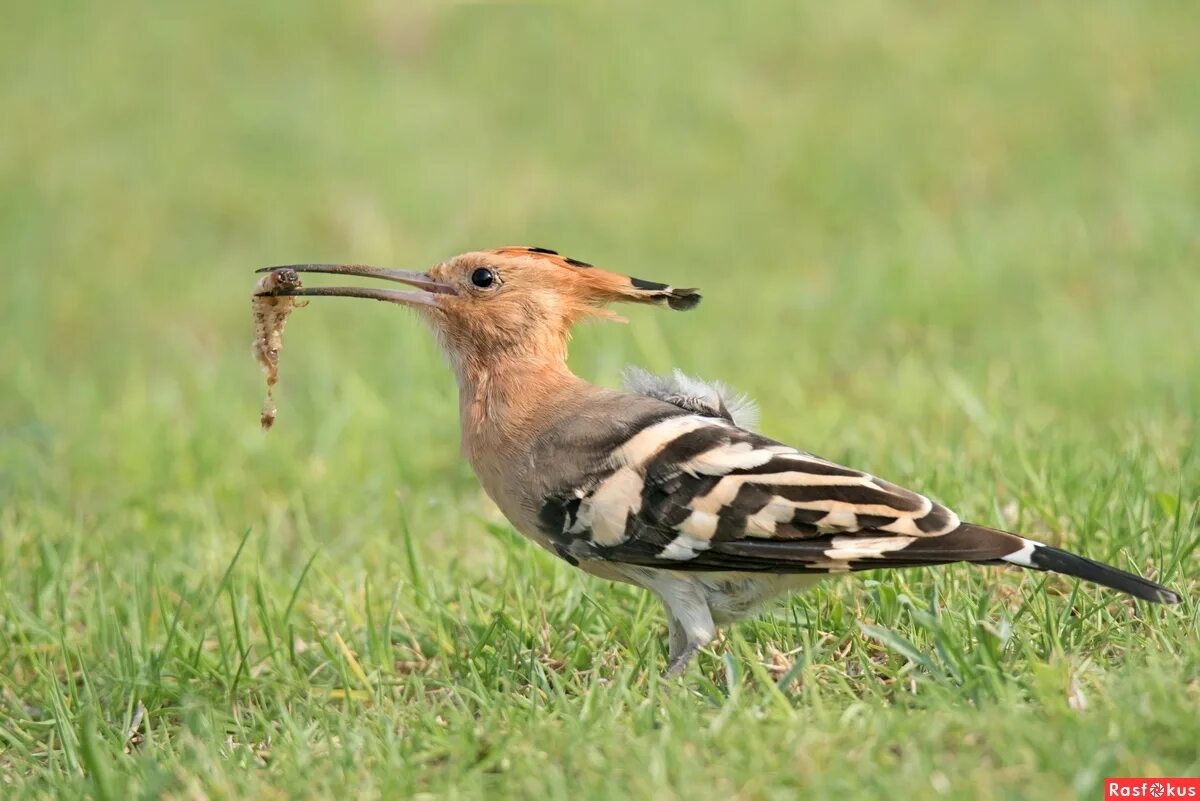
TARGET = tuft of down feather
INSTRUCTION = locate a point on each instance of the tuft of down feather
(712, 398)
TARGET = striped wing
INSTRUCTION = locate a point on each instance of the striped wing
(693, 492)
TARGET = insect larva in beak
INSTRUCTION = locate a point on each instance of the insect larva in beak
(270, 317)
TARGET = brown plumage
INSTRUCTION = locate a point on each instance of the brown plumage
(664, 484)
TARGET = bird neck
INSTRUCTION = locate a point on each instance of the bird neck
(506, 402)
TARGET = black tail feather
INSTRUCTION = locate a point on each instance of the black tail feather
(1046, 558)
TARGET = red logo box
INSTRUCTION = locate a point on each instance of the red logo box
(1151, 789)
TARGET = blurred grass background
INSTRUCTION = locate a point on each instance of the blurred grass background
(955, 245)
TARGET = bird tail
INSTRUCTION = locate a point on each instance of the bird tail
(1036, 556)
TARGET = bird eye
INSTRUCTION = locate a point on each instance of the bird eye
(483, 278)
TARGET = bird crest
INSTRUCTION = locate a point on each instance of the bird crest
(608, 286)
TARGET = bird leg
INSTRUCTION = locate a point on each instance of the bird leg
(682, 650)
(689, 623)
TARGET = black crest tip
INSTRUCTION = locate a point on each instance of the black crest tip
(684, 299)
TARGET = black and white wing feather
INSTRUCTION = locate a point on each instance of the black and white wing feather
(690, 490)
(694, 492)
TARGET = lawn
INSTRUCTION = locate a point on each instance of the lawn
(958, 247)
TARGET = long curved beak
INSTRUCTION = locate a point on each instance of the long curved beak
(427, 297)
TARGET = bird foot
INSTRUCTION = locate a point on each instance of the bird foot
(679, 662)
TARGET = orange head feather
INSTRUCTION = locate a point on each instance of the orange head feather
(519, 301)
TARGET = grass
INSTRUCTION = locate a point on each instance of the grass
(955, 247)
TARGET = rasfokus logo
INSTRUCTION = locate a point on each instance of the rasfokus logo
(1115, 789)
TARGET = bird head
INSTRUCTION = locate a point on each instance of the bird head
(510, 302)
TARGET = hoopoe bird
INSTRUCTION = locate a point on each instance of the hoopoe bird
(665, 484)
